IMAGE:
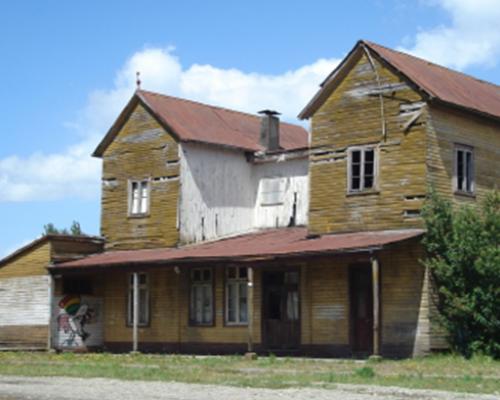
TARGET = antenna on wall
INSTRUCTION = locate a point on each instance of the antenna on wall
(138, 80)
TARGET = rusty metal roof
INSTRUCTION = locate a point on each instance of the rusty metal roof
(436, 82)
(263, 245)
(190, 121)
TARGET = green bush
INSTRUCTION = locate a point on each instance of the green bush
(463, 246)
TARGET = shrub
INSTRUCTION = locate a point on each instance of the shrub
(463, 246)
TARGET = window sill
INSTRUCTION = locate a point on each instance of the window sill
(235, 324)
(363, 193)
(464, 194)
(137, 216)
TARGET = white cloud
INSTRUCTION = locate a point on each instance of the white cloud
(472, 38)
(73, 173)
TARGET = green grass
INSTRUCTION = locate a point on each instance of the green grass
(453, 373)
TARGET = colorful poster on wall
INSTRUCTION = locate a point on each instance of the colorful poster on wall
(77, 322)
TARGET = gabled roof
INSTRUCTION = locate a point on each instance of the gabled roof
(435, 82)
(190, 121)
(48, 238)
(264, 245)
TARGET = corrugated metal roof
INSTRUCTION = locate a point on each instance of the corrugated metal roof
(438, 83)
(287, 242)
(190, 121)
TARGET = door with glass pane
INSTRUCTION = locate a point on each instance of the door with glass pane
(280, 310)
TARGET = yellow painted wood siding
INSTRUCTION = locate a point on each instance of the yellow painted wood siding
(447, 128)
(142, 150)
(324, 305)
(31, 263)
(352, 116)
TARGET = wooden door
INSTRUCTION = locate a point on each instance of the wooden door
(280, 310)
(361, 298)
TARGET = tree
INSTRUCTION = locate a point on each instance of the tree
(463, 247)
(74, 230)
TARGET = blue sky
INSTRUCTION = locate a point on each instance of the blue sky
(67, 68)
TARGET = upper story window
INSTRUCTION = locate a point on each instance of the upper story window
(236, 296)
(143, 300)
(272, 191)
(361, 168)
(202, 306)
(139, 197)
(464, 169)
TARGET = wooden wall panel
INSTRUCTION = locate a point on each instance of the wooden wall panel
(141, 150)
(352, 116)
(447, 128)
(30, 263)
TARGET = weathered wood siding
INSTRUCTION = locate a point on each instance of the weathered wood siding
(142, 150)
(24, 299)
(447, 128)
(352, 116)
(324, 305)
(221, 193)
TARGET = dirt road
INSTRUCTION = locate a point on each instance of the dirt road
(23, 388)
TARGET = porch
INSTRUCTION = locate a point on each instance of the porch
(351, 302)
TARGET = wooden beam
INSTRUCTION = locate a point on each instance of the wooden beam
(376, 305)
(51, 331)
(250, 309)
(135, 319)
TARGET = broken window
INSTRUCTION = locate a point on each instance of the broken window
(464, 169)
(361, 168)
(236, 295)
(139, 197)
(143, 300)
(201, 307)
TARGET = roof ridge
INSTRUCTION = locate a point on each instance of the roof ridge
(431, 63)
(209, 105)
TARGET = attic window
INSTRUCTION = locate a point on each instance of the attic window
(272, 191)
(361, 169)
(139, 198)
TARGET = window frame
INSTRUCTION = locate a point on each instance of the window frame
(362, 149)
(211, 285)
(139, 182)
(237, 281)
(130, 300)
(465, 149)
(280, 181)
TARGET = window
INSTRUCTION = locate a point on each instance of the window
(272, 191)
(139, 197)
(201, 307)
(464, 169)
(361, 169)
(236, 296)
(143, 300)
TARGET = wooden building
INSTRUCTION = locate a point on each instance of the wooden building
(228, 232)
(25, 290)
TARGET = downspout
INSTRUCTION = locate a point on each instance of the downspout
(381, 98)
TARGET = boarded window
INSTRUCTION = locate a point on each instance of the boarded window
(272, 191)
(361, 169)
(143, 300)
(236, 295)
(139, 197)
(464, 169)
(201, 299)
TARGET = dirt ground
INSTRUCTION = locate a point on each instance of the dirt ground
(55, 388)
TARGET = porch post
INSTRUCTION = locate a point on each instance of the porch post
(250, 311)
(50, 340)
(376, 305)
(135, 319)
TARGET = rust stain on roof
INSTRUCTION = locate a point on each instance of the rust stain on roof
(438, 83)
(191, 121)
(287, 242)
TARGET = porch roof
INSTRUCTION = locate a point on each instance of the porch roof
(258, 246)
